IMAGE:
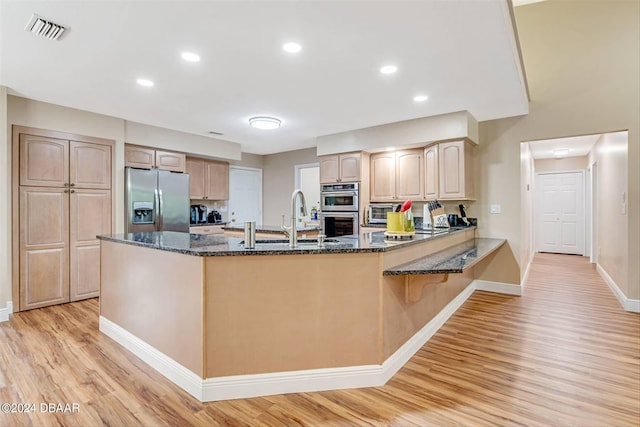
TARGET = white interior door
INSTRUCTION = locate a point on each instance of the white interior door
(560, 215)
(245, 195)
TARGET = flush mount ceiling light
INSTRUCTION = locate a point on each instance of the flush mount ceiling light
(291, 47)
(264, 122)
(145, 82)
(559, 152)
(44, 28)
(190, 56)
(388, 69)
(420, 98)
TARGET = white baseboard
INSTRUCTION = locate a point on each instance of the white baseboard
(526, 275)
(5, 312)
(628, 304)
(178, 374)
(247, 386)
(499, 287)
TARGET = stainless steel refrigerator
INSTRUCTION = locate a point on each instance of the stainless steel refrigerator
(156, 200)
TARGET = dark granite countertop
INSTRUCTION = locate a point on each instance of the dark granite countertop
(208, 224)
(217, 245)
(268, 228)
(455, 259)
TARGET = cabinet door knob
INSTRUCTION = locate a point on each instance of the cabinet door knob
(66, 191)
(66, 184)
(72, 185)
(72, 191)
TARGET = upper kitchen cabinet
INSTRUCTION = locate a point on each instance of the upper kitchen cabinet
(90, 165)
(51, 162)
(383, 177)
(410, 174)
(340, 168)
(44, 161)
(455, 163)
(208, 179)
(147, 158)
(397, 176)
(432, 179)
(169, 161)
(139, 157)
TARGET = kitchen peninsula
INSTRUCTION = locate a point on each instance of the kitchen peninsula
(224, 322)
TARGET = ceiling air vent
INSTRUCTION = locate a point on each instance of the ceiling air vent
(44, 28)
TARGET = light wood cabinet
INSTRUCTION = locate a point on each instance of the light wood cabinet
(340, 168)
(139, 157)
(455, 163)
(90, 165)
(63, 200)
(169, 161)
(208, 179)
(383, 177)
(89, 216)
(147, 158)
(432, 180)
(43, 161)
(410, 175)
(397, 176)
(44, 246)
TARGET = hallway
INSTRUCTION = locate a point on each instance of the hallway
(565, 353)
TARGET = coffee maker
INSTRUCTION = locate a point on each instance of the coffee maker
(198, 214)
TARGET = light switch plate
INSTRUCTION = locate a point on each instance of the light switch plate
(496, 209)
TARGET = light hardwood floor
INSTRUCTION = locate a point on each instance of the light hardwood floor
(565, 353)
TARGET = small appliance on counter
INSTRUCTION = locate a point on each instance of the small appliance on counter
(198, 214)
(378, 212)
(214, 217)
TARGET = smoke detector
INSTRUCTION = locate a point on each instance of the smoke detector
(44, 28)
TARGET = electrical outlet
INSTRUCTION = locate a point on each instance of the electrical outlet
(496, 209)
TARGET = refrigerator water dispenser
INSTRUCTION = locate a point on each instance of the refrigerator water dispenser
(142, 213)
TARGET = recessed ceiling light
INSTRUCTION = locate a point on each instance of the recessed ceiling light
(388, 69)
(264, 122)
(145, 82)
(420, 98)
(291, 47)
(190, 56)
(559, 152)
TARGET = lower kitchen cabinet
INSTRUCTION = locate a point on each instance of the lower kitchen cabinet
(59, 252)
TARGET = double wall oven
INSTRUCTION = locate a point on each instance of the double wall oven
(339, 209)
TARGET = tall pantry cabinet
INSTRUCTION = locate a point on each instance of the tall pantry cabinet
(62, 200)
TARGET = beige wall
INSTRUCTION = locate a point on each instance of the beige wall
(610, 156)
(5, 203)
(526, 206)
(582, 61)
(420, 131)
(279, 181)
(561, 165)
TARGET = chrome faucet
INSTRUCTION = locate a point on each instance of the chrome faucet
(291, 231)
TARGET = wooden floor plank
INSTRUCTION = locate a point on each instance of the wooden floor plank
(565, 353)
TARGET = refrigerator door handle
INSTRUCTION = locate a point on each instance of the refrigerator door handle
(156, 202)
(160, 211)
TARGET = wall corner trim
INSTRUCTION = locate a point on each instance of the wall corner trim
(5, 312)
(310, 380)
(632, 305)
